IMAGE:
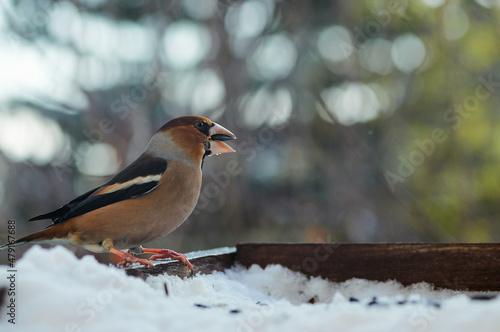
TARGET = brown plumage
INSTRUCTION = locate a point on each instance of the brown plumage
(147, 200)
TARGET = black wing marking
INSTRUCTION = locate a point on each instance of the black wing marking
(143, 167)
(98, 201)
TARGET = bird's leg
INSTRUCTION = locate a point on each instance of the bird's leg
(167, 253)
(127, 258)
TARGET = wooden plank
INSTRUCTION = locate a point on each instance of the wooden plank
(203, 264)
(460, 266)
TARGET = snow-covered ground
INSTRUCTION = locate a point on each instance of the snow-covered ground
(55, 291)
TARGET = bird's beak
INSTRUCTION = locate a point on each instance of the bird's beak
(218, 134)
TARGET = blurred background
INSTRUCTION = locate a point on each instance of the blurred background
(357, 121)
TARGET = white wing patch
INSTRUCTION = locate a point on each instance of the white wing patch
(124, 185)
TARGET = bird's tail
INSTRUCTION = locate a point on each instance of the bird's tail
(55, 234)
(35, 237)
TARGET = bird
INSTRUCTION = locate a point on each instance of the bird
(147, 200)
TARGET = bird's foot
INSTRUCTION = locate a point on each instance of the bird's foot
(167, 253)
(128, 258)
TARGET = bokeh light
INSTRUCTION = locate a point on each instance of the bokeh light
(27, 136)
(408, 52)
(434, 3)
(248, 19)
(274, 58)
(198, 90)
(185, 44)
(352, 102)
(98, 159)
(201, 10)
(266, 106)
(376, 56)
(456, 22)
(335, 43)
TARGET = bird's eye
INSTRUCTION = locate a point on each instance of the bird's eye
(199, 125)
(202, 127)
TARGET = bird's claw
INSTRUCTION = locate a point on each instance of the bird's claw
(132, 259)
(128, 258)
(167, 253)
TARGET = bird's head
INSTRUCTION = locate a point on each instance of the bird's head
(192, 137)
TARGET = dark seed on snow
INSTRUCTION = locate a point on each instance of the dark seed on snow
(166, 288)
(235, 311)
(373, 301)
(314, 299)
(200, 305)
(434, 304)
(353, 299)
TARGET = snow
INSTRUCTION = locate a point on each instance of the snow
(55, 291)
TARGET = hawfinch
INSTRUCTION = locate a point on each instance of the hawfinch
(147, 200)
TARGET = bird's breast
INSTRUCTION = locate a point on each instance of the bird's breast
(174, 199)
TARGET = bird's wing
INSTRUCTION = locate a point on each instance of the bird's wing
(65, 208)
(137, 179)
